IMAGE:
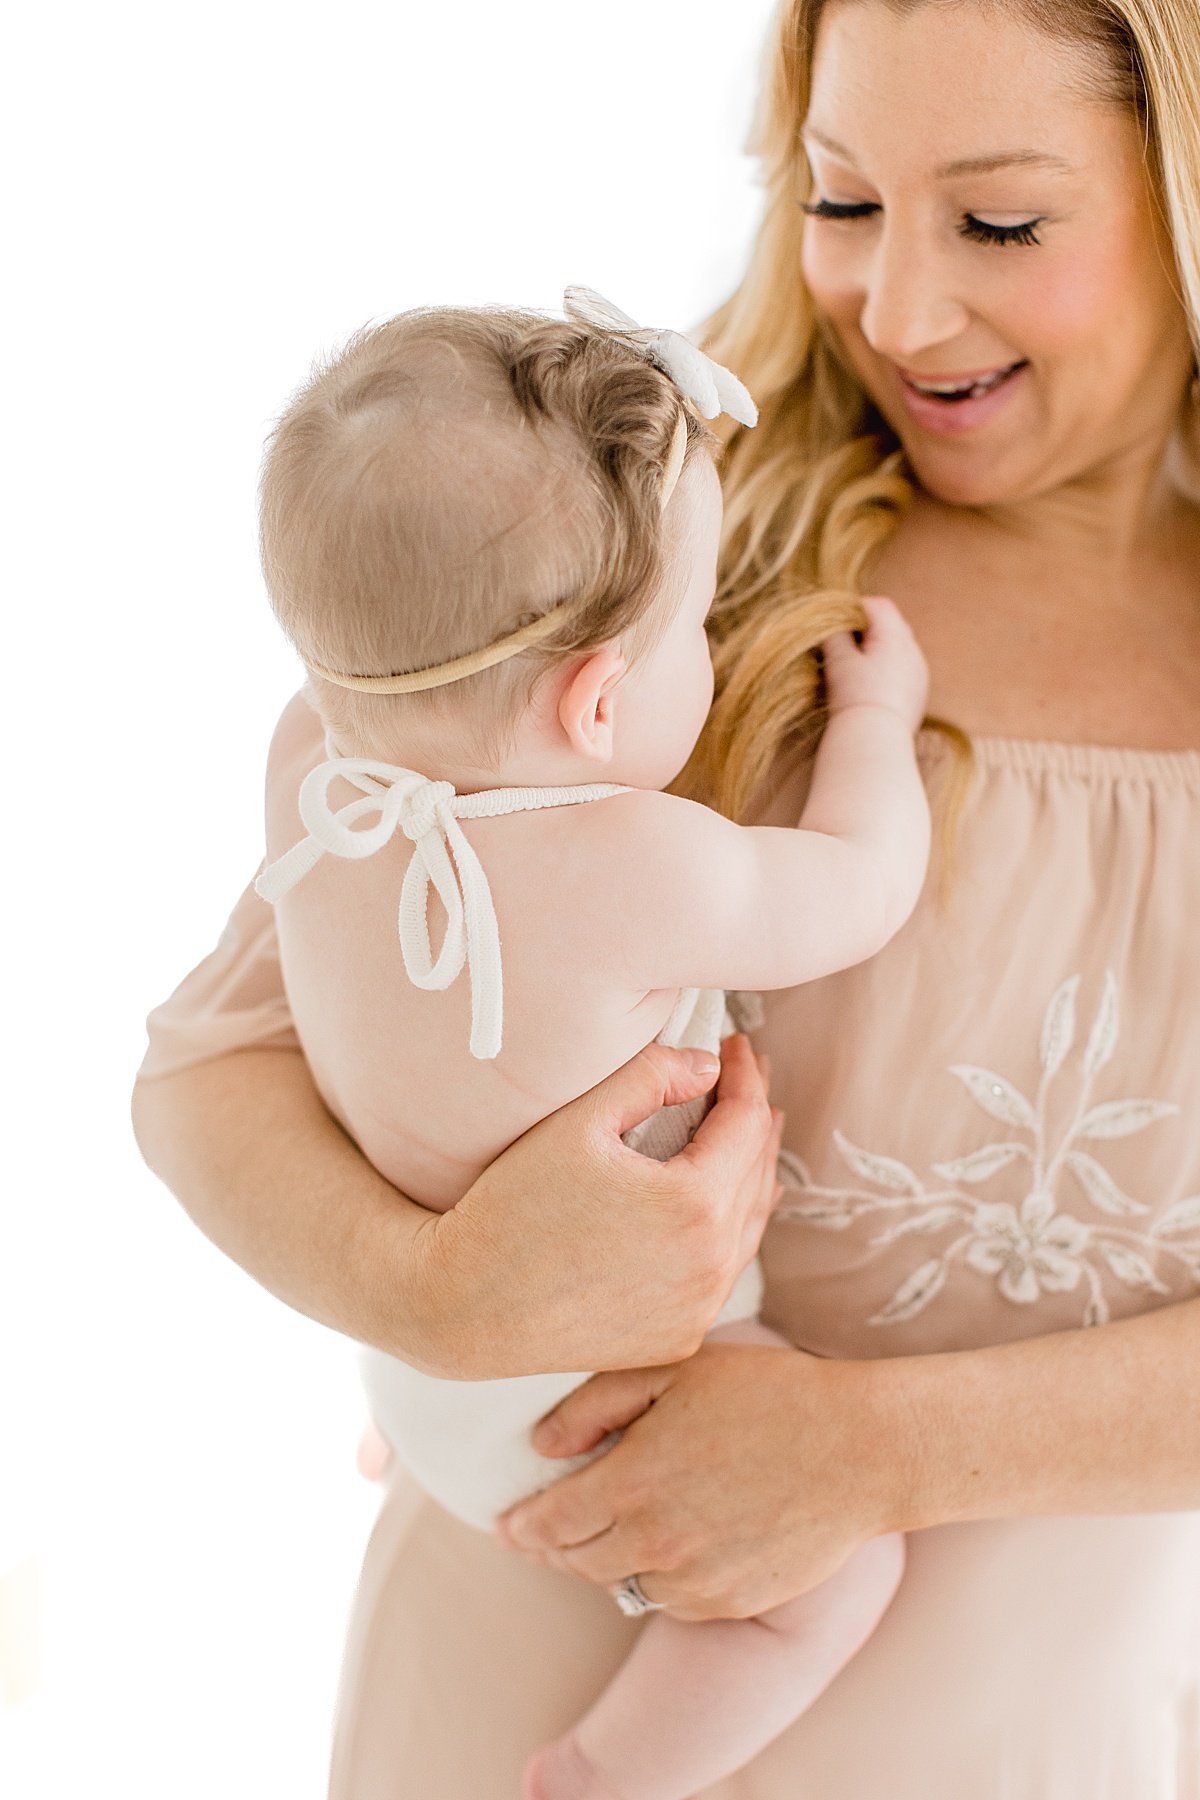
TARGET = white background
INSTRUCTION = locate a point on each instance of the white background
(199, 201)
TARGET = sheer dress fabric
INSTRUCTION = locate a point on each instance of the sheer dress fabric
(993, 1133)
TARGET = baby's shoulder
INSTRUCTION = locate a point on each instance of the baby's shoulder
(298, 739)
(628, 852)
(641, 829)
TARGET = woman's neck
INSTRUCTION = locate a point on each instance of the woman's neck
(1108, 517)
(1075, 616)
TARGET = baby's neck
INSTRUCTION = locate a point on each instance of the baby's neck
(443, 757)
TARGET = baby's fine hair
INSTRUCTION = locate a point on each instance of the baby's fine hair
(449, 476)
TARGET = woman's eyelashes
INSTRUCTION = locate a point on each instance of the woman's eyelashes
(979, 231)
(835, 209)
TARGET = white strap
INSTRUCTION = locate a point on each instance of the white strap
(427, 812)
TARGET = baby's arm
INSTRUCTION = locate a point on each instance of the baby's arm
(722, 905)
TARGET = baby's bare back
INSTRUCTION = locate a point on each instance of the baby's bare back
(391, 1060)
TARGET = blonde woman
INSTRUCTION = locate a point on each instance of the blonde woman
(971, 321)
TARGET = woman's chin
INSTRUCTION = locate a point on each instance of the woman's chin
(958, 480)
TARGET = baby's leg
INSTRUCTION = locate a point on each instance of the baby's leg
(374, 1453)
(696, 1700)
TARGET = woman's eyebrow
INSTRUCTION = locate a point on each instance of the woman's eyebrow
(964, 165)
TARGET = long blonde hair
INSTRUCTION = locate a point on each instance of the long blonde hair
(814, 491)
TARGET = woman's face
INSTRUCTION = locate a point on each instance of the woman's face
(982, 227)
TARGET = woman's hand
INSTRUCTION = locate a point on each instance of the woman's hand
(570, 1252)
(574, 1252)
(746, 1475)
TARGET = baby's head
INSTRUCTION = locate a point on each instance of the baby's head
(454, 475)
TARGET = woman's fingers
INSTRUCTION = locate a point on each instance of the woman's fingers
(605, 1403)
(729, 1143)
(607, 1560)
(577, 1508)
(655, 1078)
(765, 1191)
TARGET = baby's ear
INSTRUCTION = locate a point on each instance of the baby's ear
(585, 709)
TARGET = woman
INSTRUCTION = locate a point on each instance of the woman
(975, 354)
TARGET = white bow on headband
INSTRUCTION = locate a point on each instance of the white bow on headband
(704, 384)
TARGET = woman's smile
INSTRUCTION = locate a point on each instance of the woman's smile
(950, 405)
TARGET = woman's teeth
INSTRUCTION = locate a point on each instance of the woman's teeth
(963, 390)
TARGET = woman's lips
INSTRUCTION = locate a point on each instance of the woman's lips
(980, 396)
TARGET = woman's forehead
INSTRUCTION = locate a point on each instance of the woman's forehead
(953, 89)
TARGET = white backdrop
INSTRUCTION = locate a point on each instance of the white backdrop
(200, 199)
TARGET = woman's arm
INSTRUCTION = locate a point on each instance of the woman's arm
(748, 1474)
(570, 1252)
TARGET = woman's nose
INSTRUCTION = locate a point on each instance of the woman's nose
(909, 306)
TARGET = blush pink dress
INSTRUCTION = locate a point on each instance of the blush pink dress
(993, 1133)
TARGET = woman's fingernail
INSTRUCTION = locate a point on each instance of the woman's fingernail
(545, 1435)
(704, 1062)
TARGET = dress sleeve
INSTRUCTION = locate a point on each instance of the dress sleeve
(235, 998)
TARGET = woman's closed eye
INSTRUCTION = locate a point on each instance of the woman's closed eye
(979, 231)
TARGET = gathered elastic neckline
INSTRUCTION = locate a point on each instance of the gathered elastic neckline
(1088, 762)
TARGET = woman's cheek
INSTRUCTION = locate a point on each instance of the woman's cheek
(1062, 303)
(830, 276)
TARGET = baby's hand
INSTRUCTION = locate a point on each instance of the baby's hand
(887, 669)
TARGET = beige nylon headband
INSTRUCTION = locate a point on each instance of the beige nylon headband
(442, 674)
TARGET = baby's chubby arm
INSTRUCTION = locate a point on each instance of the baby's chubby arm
(713, 904)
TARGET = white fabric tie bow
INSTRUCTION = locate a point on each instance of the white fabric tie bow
(427, 813)
(704, 384)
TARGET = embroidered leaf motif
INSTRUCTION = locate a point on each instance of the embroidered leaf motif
(980, 1163)
(1121, 1118)
(1104, 1031)
(1183, 1216)
(793, 1172)
(998, 1097)
(1028, 1248)
(828, 1218)
(913, 1295)
(1100, 1187)
(884, 1170)
(1058, 1027)
(1096, 1311)
(1129, 1267)
(934, 1218)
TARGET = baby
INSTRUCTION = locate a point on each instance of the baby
(493, 539)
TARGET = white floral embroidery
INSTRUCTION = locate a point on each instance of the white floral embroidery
(1034, 1248)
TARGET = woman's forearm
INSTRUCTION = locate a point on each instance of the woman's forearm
(570, 1251)
(747, 1474)
(260, 1166)
(1098, 1421)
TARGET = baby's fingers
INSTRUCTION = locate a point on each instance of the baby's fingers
(885, 622)
(840, 647)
